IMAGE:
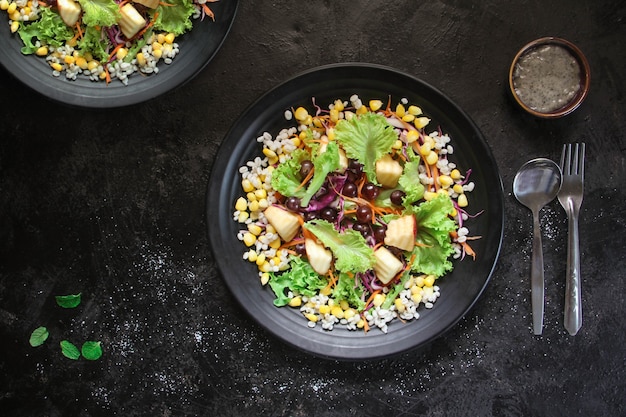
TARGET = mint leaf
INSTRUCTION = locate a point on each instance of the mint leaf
(366, 138)
(68, 301)
(38, 336)
(91, 350)
(351, 251)
(69, 350)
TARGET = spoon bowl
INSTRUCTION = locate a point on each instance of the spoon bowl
(537, 183)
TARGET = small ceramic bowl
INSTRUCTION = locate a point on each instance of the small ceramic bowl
(549, 77)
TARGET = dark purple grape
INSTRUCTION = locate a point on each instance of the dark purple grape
(370, 191)
(310, 215)
(292, 204)
(305, 167)
(329, 214)
(379, 233)
(355, 166)
(363, 229)
(397, 196)
(350, 189)
(300, 249)
(364, 214)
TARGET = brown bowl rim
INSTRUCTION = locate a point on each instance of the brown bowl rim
(585, 77)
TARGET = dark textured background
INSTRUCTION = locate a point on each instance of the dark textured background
(112, 203)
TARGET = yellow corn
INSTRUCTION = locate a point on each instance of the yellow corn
(92, 65)
(419, 281)
(455, 174)
(241, 204)
(462, 200)
(169, 38)
(249, 239)
(425, 148)
(243, 216)
(429, 281)
(414, 110)
(375, 105)
(41, 51)
(69, 60)
(16, 15)
(400, 110)
(429, 195)
(4, 4)
(397, 145)
(265, 267)
(11, 8)
(457, 188)
(360, 324)
(275, 244)
(255, 229)
(260, 193)
(141, 59)
(252, 255)
(379, 299)
(296, 141)
(416, 298)
(349, 313)
(260, 259)
(81, 62)
(254, 206)
(412, 136)
(160, 38)
(56, 66)
(15, 25)
(295, 302)
(324, 309)
(337, 312)
(157, 53)
(311, 317)
(326, 290)
(121, 53)
(361, 110)
(265, 278)
(301, 114)
(445, 181)
(432, 158)
(399, 306)
(421, 122)
(408, 118)
(334, 115)
(344, 305)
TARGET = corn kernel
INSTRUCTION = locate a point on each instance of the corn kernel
(360, 324)
(429, 195)
(361, 110)
(334, 115)
(56, 66)
(379, 299)
(92, 65)
(16, 15)
(160, 38)
(275, 244)
(252, 255)
(102, 76)
(337, 312)
(414, 110)
(375, 105)
(260, 193)
(412, 136)
(344, 304)
(249, 239)
(81, 62)
(255, 229)
(169, 38)
(429, 281)
(408, 118)
(254, 206)
(338, 104)
(400, 110)
(419, 281)
(324, 309)
(26, 11)
(265, 267)
(428, 292)
(349, 313)
(4, 4)
(331, 134)
(270, 229)
(425, 148)
(241, 204)
(295, 302)
(397, 145)
(421, 122)
(432, 158)
(457, 188)
(265, 278)
(416, 298)
(326, 290)
(157, 53)
(69, 60)
(296, 141)
(301, 114)
(462, 200)
(11, 8)
(141, 59)
(416, 290)
(311, 317)
(445, 181)
(247, 186)
(399, 305)
(243, 216)
(263, 204)
(455, 174)
(260, 259)
(42, 51)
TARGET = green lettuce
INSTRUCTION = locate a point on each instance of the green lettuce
(324, 163)
(286, 177)
(348, 290)
(93, 42)
(351, 251)
(409, 181)
(300, 279)
(175, 17)
(366, 138)
(49, 29)
(433, 246)
(99, 12)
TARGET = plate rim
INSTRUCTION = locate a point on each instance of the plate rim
(339, 352)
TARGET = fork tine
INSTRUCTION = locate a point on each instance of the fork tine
(563, 153)
(581, 161)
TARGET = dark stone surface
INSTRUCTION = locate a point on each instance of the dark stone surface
(111, 203)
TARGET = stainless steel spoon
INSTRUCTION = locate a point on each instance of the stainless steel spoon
(537, 183)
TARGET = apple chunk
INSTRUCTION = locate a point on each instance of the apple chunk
(319, 257)
(388, 171)
(287, 224)
(401, 233)
(387, 265)
(69, 11)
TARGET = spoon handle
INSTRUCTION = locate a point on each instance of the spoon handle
(573, 304)
(536, 277)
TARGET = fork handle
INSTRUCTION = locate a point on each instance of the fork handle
(573, 304)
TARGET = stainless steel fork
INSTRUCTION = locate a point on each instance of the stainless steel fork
(571, 198)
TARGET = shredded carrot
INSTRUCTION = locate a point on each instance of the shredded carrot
(208, 11)
(366, 326)
(306, 179)
(114, 51)
(333, 279)
(371, 297)
(108, 76)
(79, 30)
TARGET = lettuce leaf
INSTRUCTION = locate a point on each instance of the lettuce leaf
(366, 138)
(49, 29)
(99, 12)
(286, 177)
(434, 246)
(93, 42)
(324, 163)
(300, 279)
(175, 18)
(349, 248)
(347, 289)
(409, 181)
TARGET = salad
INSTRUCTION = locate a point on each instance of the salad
(103, 39)
(354, 213)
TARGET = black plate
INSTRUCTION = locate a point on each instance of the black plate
(197, 48)
(459, 290)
